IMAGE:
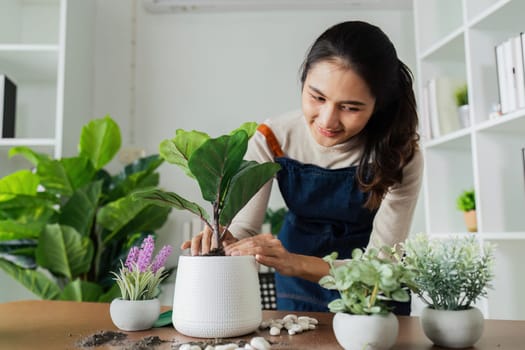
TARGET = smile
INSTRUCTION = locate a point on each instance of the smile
(328, 133)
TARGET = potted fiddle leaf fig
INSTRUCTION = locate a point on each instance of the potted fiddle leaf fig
(216, 295)
(450, 275)
(365, 284)
(65, 225)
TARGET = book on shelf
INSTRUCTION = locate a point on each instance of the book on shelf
(440, 111)
(7, 107)
(511, 73)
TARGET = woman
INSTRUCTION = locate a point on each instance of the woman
(350, 165)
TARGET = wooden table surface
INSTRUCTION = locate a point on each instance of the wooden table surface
(64, 325)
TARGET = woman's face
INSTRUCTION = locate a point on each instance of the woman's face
(337, 103)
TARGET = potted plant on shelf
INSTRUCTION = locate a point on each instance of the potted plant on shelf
(138, 279)
(461, 97)
(215, 296)
(450, 275)
(466, 202)
(66, 223)
(365, 283)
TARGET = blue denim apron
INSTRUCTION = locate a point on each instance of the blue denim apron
(326, 214)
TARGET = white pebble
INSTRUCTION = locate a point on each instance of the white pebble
(195, 347)
(290, 317)
(264, 324)
(275, 331)
(209, 347)
(313, 320)
(312, 326)
(291, 332)
(276, 325)
(231, 346)
(297, 328)
(185, 347)
(248, 347)
(303, 319)
(259, 343)
(288, 325)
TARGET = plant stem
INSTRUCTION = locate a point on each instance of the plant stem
(216, 231)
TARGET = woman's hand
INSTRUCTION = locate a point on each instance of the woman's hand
(202, 243)
(268, 250)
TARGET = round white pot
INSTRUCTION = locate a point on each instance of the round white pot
(134, 315)
(452, 329)
(216, 296)
(358, 332)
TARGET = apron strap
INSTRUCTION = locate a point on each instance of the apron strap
(271, 140)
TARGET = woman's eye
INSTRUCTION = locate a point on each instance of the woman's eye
(349, 108)
(318, 98)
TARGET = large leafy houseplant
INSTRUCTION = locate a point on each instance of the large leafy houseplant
(226, 180)
(67, 223)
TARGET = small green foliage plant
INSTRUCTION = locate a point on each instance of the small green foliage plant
(225, 179)
(275, 217)
(140, 276)
(461, 95)
(466, 201)
(449, 274)
(366, 282)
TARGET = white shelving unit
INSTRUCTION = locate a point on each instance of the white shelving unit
(46, 49)
(457, 38)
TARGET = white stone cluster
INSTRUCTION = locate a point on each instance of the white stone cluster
(291, 323)
(256, 343)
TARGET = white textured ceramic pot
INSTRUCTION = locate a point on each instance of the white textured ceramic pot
(216, 296)
(374, 332)
(134, 315)
(452, 329)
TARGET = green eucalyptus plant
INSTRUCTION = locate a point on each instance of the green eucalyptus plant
(449, 274)
(466, 201)
(66, 224)
(225, 179)
(461, 95)
(366, 282)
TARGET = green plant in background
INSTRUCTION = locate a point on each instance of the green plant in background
(65, 225)
(461, 95)
(449, 274)
(226, 180)
(275, 218)
(466, 201)
(366, 282)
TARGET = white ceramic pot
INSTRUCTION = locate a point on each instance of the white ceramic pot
(358, 332)
(452, 329)
(216, 296)
(134, 315)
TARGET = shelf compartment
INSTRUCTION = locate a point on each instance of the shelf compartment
(505, 15)
(29, 21)
(501, 197)
(29, 62)
(477, 10)
(450, 164)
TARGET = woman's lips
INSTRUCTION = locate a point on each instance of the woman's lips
(328, 133)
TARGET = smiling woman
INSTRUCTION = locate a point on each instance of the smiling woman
(350, 166)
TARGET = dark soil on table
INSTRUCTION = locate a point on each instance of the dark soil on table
(102, 338)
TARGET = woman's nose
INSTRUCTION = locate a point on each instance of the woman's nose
(329, 116)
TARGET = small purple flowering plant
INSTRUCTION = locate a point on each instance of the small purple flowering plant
(139, 277)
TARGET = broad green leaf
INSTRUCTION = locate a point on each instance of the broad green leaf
(79, 171)
(215, 162)
(19, 182)
(112, 293)
(80, 210)
(78, 290)
(32, 156)
(62, 250)
(28, 208)
(249, 127)
(151, 218)
(170, 199)
(244, 185)
(100, 141)
(54, 177)
(34, 280)
(115, 215)
(12, 230)
(165, 319)
(401, 295)
(179, 149)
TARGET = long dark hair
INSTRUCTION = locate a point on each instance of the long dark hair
(390, 136)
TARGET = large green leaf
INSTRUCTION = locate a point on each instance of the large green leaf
(32, 156)
(54, 177)
(34, 280)
(19, 182)
(244, 185)
(179, 149)
(78, 290)
(170, 199)
(27, 208)
(11, 230)
(79, 171)
(80, 210)
(100, 141)
(113, 216)
(64, 251)
(249, 127)
(23, 261)
(216, 161)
